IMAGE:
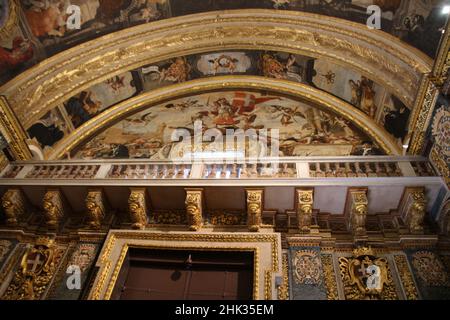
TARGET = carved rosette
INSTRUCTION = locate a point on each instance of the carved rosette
(13, 203)
(194, 209)
(53, 208)
(36, 270)
(254, 209)
(414, 209)
(304, 209)
(137, 208)
(358, 211)
(95, 208)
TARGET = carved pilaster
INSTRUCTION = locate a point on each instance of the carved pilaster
(413, 208)
(194, 208)
(13, 203)
(13, 132)
(357, 206)
(305, 209)
(53, 208)
(254, 209)
(137, 208)
(95, 208)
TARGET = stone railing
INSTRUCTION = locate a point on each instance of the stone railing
(269, 168)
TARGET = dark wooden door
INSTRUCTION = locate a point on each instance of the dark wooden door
(185, 275)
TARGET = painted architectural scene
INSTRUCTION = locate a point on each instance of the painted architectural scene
(303, 130)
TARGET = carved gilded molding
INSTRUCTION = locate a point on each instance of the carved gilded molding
(254, 209)
(13, 132)
(137, 208)
(194, 208)
(296, 90)
(266, 249)
(329, 275)
(305, 202)
(379, 56)
(283, 289)
(442, 61)
(409, 287)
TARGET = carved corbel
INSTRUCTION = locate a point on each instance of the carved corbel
(254, 209)
(357, 206)
(14, 205)
(53, 208)
(95, 205)
(194, 208)
(137, 208)
(413, 208)
(304, 209)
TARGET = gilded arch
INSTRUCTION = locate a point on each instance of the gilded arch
(381, 57)
(296, 90)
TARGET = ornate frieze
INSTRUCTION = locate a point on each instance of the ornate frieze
(304, 209)
(14, 205)
(137, 208)
(194, 208)
(254, 209)
(53, 208)
(95, 208)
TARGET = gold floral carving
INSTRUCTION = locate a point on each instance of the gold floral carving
(53, 208)
(283, 290)
(194, 209)
(330, 277)
(382, 58)
(406, 277)
(137, 208)
(227, 218)
(36, 270)
(254, 209)
(95, 208)
(356, 281)
(13, 132)
(441, 165)
(421, 123)
(304, 209)
(13, 203)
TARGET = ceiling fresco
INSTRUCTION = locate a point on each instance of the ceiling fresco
(364, 94)
(302, 130)
(43, 31)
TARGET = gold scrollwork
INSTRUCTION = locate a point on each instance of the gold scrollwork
(13, 203)
(406, 277)
(37, 268)
(329, 276)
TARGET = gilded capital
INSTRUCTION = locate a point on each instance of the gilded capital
(304, 209)
(254, 209)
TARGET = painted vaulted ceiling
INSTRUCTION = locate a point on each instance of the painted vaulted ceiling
(137, 69)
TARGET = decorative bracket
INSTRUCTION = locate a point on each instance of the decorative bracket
(194, 208)
(137, 208)
(305, 199)
(254, 209)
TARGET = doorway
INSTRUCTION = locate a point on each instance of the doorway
(161, 274)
